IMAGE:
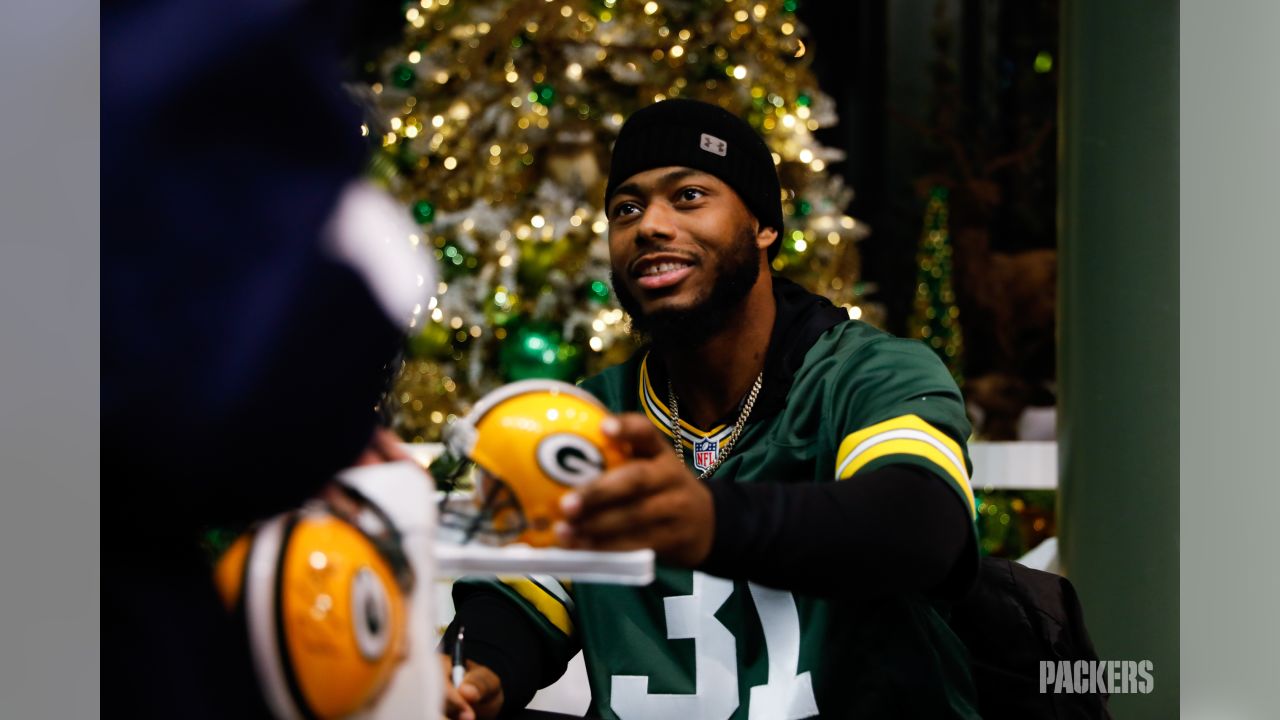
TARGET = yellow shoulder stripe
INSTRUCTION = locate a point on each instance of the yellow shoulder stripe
(904, 435)
(547, 604)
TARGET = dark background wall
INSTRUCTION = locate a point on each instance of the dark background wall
(912, 78)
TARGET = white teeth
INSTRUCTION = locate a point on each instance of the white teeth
(663, 267)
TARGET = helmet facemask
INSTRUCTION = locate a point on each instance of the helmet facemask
(490, 515)
(519, 450)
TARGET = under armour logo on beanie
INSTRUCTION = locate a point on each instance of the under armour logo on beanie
(714, 144)
(706, 137)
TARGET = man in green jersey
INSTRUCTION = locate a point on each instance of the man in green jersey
(801, 476)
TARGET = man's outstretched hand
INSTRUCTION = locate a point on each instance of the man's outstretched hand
(651, 501)
(384, 447)
(477, 697)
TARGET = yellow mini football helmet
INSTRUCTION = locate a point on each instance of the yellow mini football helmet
(321, 592)
(530, 442)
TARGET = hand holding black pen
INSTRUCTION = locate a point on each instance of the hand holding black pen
(459, 670)
(472, 691)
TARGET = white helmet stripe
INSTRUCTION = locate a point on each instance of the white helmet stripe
(260, 617)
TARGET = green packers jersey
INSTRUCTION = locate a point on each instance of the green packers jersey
(694, 646)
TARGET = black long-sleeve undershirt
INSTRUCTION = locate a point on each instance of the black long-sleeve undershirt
(898, 529)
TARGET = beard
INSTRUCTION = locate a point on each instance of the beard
(737, 272)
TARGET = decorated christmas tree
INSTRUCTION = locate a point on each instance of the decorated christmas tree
(495, 120)
(934, 313)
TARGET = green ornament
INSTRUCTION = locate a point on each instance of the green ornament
(435, 341)
(600, 291)
(406, 159)
(454, 262)
(803, 208)
(536, 350)
(569, 357)
(546, 94)
(424, 211)
(500, 314)
(789, 5)
(537, 260)
(217, 540)
(803, 100)
(403, 76)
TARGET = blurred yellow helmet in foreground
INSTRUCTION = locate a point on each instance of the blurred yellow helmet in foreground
(323, 601)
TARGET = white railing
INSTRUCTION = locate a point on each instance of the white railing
(1019, 465)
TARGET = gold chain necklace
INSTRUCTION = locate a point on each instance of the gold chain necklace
(737, 426)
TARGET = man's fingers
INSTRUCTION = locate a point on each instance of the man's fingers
(636, 539)
(388, 446)
(636, 431)
(455, 707)
(652, 537)
(383, 447)
(479, 684)
(477, 697)
(626, 483)
(368, 456)
(626, 518)
(483, 690)
(670, 539)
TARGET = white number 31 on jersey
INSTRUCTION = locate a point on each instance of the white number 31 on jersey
(786, 696)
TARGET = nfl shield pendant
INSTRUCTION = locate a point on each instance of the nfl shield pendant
(705, 453)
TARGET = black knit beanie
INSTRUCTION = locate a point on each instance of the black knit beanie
(706, 137)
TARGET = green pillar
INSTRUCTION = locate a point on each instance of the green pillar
(1118, 333)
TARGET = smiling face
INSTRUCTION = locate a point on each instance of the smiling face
(685, 251)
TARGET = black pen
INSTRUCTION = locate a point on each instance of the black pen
(458, 669)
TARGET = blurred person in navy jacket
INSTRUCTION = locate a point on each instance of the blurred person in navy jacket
(248, 316)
